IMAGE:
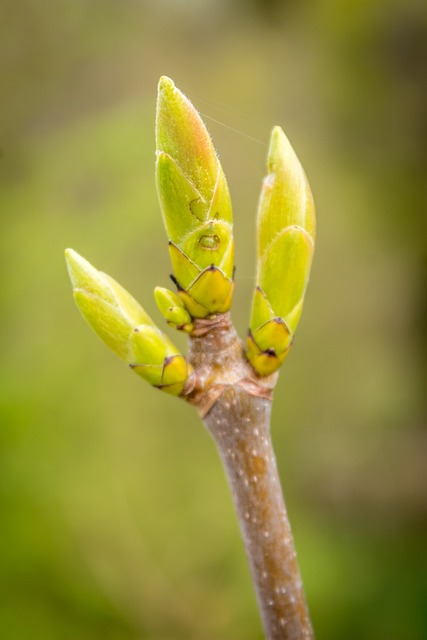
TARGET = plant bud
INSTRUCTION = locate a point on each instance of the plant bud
(196, 205)
(125, 327)
(285, 234)
(172, 308)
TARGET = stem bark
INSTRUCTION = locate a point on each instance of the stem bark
(238, 418)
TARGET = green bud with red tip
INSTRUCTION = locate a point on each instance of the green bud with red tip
(196, 205)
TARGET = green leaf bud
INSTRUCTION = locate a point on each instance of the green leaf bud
(125, 327)
(195, 203)
(285, 234)
(172, 308)
(212, 291)
(157, 360)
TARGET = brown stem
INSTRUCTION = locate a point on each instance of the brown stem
(236, 409)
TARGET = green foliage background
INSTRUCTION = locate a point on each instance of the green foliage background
(116, 521)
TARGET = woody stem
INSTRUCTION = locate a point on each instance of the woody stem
(239, 422)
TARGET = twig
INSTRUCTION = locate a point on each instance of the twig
(237, 414)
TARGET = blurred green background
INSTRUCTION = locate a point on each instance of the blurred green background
(115, 518)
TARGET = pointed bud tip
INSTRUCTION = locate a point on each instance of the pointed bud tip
(169, 96)
(76, 264)
(166, 84)
(277, 132)
(162, 295)
(280, 152)
(71, 257)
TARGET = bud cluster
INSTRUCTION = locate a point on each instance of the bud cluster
(197, 213)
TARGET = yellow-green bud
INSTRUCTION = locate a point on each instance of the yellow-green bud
(195, 203)
(172, 308)
(157, 360)
(125, 327)
(285, 233)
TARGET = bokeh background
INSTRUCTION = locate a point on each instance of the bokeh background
(115, 518)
